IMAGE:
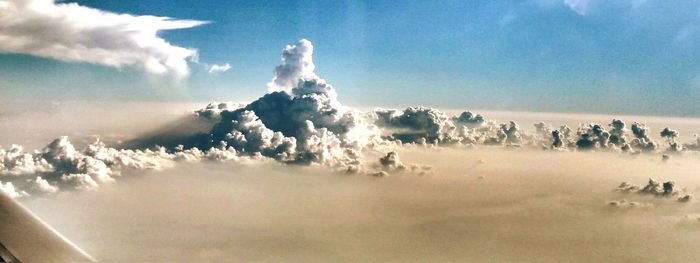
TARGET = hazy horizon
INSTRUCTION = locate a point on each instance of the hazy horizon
(351, 131)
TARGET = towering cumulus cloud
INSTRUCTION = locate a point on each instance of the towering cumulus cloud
(71, 32)
(301, 120)
(297, 64)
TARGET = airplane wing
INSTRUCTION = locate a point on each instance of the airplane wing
(25, 238)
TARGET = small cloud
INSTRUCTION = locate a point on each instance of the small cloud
(214, 69)
(581, 7)
(507, 19)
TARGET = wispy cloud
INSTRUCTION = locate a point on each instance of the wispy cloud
(71, 32)
(213, 69)
(581, 7)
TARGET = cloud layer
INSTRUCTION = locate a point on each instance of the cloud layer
(60, 166)
(71, 32)
(303, 122)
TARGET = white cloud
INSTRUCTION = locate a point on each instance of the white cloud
(305, 123)
(213, 69)
(75, 33)
(43, 186)
(297, 64)
(301, 121)
(9, 189)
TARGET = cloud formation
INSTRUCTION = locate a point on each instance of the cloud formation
(667, 189)
(594, 136)
(304, 122)
(59, 166)
(391, 161)
(423, 125)
(469, 118)
(297, 64)
(213, 69)
(75, 33)
(213, 110)
(301, 121)
(416, 124)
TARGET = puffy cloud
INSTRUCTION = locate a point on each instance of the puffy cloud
(641, 138)
(213, 110)
(220, 154)
(666, 189)
(243, 130)
(595, 136)
(129, 159)
(654, 187)
(79, 181)
(508, 134)
(668, 133)
(617, 133)
(562, 138)
(71, 32)
(469, 118)
(428, 125)
(213, 69)
(391, 161)
(557, 139)
(416, 124)
(9, 189)
(17, 162)
(300, 121)
(60, 150)
(43, 186)
(60, 166)
(671, 136)
(297, 64)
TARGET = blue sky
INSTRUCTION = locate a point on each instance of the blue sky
(619, 56)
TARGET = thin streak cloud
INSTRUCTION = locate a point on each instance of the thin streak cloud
(213, 69)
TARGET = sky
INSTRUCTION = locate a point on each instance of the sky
(623, 56)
